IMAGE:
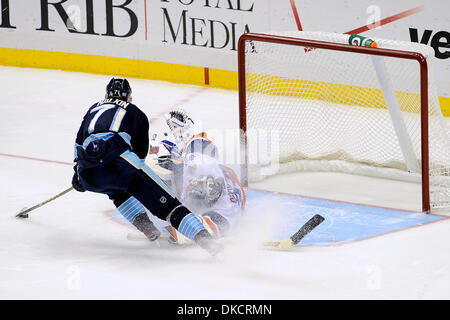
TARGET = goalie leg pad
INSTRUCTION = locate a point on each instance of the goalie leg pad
(219, 224)
(210, 226)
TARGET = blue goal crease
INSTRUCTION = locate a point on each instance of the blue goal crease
(344, 222)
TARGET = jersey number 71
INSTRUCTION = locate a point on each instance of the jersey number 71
(116, 121)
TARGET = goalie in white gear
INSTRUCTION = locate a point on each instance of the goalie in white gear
(205, 186)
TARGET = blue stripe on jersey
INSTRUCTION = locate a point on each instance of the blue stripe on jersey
(97, 136)
(190, 226)
(140, 164)
(101, 136)
(125, 136)
(131, 208)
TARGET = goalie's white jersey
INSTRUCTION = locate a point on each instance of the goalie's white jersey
(190, 166)
(231, 200)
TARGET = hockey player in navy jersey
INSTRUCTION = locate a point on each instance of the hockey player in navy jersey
(110, 150)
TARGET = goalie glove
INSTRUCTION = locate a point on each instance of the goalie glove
(178, 118)
(181, 125)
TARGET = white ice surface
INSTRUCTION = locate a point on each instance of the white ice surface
(71, 248)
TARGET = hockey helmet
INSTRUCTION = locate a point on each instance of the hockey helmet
(118, 88)
(205, 189)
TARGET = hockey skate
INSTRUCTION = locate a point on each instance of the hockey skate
(204, 239)
(146, 226)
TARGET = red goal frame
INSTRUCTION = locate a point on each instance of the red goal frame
(282, 40)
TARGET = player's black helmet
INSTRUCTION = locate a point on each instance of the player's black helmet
(119, 88)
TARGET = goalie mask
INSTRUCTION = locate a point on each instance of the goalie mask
(205, 189)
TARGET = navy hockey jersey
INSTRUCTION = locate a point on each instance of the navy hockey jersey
(117, 116)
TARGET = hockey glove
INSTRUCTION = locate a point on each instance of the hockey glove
(181, 125)
(75, 182)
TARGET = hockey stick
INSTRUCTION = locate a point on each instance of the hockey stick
(284, 244)
(24, 212)
(293, 240)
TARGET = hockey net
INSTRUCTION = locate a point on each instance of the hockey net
(312, 101)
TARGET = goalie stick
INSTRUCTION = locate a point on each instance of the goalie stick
(284, 244)
(293, 240)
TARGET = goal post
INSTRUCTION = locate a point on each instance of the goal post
(352, 102)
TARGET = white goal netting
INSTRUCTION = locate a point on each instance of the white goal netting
(330, 110)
